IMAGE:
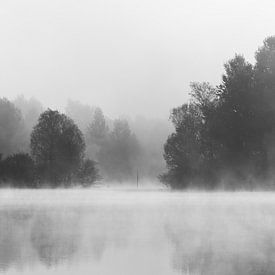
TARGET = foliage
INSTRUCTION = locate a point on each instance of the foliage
(80, 113)
(119, 154)
(18, 170)
(229, 129)
(88, 173)
(57, 147)
(12, 132)
(98, 129)
(30, 110)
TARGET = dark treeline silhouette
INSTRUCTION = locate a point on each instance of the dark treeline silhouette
(225, 135)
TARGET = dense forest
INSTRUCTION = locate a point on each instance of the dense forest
(225, 136)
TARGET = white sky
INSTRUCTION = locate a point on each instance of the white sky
(129, 57)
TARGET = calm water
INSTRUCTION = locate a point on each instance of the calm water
(136, 232)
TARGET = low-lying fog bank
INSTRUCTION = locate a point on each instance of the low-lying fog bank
(112, 231)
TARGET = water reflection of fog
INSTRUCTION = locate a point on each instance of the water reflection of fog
(224, 239)
(171, 233)
(55, 236)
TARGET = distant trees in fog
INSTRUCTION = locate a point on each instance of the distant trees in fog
(226, 132)
(13, 135)
(30, 110)
(119, 153)
(96, 133)
(80, 113)
(115, 149)
(109, 148)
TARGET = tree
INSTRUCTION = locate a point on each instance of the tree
(218, 131)
(80, 113)
(96, 134)
(204, 96)
(18, 170)
(88, 173)
(265, 87)
(227, 130)
(13, 136)
(265, 64)
(119, 154)
(236, 119)
(57, 147)
(30, 110)
(98, 129)
(182, 151)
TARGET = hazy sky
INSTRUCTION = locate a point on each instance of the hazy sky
(127, 56)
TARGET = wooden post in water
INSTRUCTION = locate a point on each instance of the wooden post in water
(137, 178)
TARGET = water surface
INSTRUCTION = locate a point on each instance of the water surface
(136, 232)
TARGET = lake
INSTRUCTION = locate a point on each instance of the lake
(154, 232)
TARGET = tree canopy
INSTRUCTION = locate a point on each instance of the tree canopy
(228, 130)
(119, 153)
(13, 136)
(57, 147)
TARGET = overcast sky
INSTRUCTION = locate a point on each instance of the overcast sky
(129, 57)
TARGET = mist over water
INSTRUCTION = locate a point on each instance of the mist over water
(104, 231)
(108, 109)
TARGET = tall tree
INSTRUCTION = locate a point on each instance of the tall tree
(13, 135)
(119, 154)
(265, 87)
(236, 130)
(182, 149)
(236, 118)
(98, 129)
(265, 64)
(80, 113)
(57, 147)
(88, 173)
(96, 134)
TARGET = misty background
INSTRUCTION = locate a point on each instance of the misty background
(126, 63)
(122, 147)
(86, 92)
(127, 57)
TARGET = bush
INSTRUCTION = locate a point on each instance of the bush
(88, 173)
(18, 170)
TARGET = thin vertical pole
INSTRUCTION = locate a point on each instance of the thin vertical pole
(137, 178)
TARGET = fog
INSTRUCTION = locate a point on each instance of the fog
(128, 57)
(100, 130)
(105, 231)
(144, 142)
(133, 61)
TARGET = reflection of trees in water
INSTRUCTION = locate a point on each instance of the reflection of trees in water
(12, 232)
(192, 252)
(223, 241)
(55, 237)
(104, 228)
(58, 236)
(79, 233)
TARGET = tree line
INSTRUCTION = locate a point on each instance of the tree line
(42, 147)
(225, 135)
(56, 155)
